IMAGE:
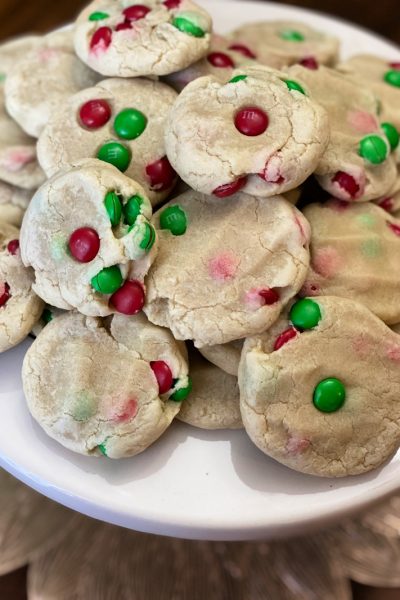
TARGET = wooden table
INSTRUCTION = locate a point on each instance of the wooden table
(20, 16)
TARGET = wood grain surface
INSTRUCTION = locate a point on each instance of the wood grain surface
(21, 16)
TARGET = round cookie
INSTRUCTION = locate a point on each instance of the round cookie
(224, 356)
(355, 254)
(20, 307)
(13, 50)
(323, 399)
(87, 235)
(214, 400)
(48, 314)
(157, 37)
(282, 43)
(113, 405)
(13, 203)
(358, 163)
(215, 280)
(256, 132)
(119, 121)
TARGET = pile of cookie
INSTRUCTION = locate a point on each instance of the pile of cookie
(154, 168)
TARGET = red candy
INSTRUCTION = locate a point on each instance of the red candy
(135, 12)
(242, 49)
(220, 60)
(162, 176)
(269, 295)
(124, 25)
(394, 227)
(101, 39)
(170, 4)
(309, 62)
(13, 247)
(163, 375)
(347, 182)
(4, 293)
(228, 189)
(95, 113)
(387, 204)
(395, 65)
(285, 337)
(129, 299)
(84, 244)
(251, 121)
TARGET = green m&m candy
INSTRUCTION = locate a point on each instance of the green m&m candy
(132, 209)
(103, 450)
(291, 35)
(305, 314)
(149, 238)
(237, 78)
(293, 85)
(130, 123)
(116, 154)
(329, 395)
(373, 148)
(47, 316)
(181, 394)
(113, 206)
(392, 134)
(98, 16)
(174, 219)
(187, 26)
(392, 77)
(108, 281)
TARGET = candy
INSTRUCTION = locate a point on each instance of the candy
(47, 316)
(181, 394)
(309, 62)
(174, 219)
(123, 26)
(163, 375)
(130, 123)
(394, 227)
(285, 337)
(228, 189)
(392, 134)
(101, 39)
(149, 238)
(237, 78)
(162, 176)
(188, 27)
(395, 66)
(129, 299)
(102, 449)
(294, 86)
(392, 78)
(84, 244)
(251, 121)
(95, 114)
(113, 206)
(108, 281)
(242, 49)
(98, 16)
(387, 204)
(13, 247)
(269, 295)
(4, 293)
(329, 395)
(373, 148)
(136, 12)
(116, 154)
(171, 4)
(220, 60)
(305, 314)
(291, 35)
(132, 209)
(347, 182)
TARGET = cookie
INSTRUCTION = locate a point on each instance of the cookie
(257, 132)
(215, 280)
(118, 121)
(129, 40)
(355, 253)
(20, 307)
(214, 400)
(224, 356)
(319, 391)
(13, 203)
(49, 313)
(115, 404)
(358, 163)
(87, 235)
(391, 201)
(13, 50)
(282, 43)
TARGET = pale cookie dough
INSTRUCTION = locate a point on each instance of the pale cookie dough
(356, 426)
(14, 50)
(391, 201)
(86, 234)
(214, 400)
(20, 307)
(131, 114)
(225, 269)
(42, 79)
(358, 163)
(224, 356)
(49, 314)
(255, 132)
(91, 387)
(13, 203)
(124, 39)
(355, 254)
(282, 43)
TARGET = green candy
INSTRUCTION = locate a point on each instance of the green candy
(293, 85)
(130, 123)
(132, 209)
(290, 35)
(373, 148)
(392, 78)
(392, 134)
(113, 206)
(188, 27)
(98, 16)
(329, 395)
(47, 316)
(305, 314)
(108, 281)
(181, 394)
(237, 78)
(149, 238)
(174, 219)
(102, 448)
(2, 77)
(116, 154)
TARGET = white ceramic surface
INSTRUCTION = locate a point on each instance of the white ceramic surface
(191, 483)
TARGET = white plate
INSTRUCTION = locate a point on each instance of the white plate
(192, 483)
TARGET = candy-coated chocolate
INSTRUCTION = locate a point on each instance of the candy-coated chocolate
(188, 27)
(291, 35)
(149, 238)
(101, 39)
(305, 314)
(394, 227)
(136, 12)
(162, 176)
(163, 375)
(251, 121)
(220, 60)
(4, 294)
(373, 148)
(285, 337)
(395, 66)
(309, 62)
(294, 86)
(84, 244)
(329, 395)
(183, 393)
(13, 247)
(171, 4)
(237, 78)
(347, 182)
(129, 299)
(98, 16)
(269, 296)
(392, 77)
(242, 49)
(174, 219)
(123, 26)
(113, 206)
(102, 448)
(387, 204)
(228, 189)
(47, 316)
(95, 113)
(108, 281)
(392, 134)
(132, 209)
(130, 123)
(116, 154)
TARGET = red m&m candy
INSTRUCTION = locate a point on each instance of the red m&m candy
(4, 293)
(242, 49)
(95, 113)
(170, 4)
(135, 12)
(124, 25)
(101, 39)
(309, 62)
(220, 60)
(84, 244)
(163, 375)
(269, 295)
(129, 299)
(251, 121)
(394, 227)
(285, 337)
(162, 176)
(13, 247)
(228, 189)
(347, 182)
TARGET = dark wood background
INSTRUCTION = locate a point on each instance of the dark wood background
(20, 16)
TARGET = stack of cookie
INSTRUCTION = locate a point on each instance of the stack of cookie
(287, 317)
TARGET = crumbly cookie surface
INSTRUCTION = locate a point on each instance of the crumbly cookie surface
(13, 203)
(224, 356)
